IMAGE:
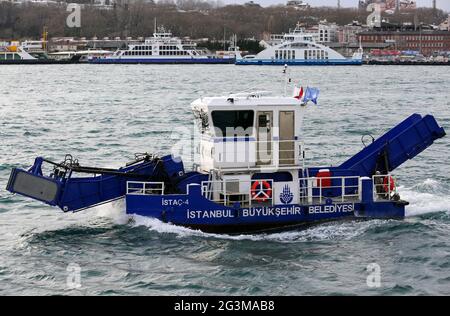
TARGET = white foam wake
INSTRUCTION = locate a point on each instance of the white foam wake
(427, 197)
(328, 231)
(114, 211)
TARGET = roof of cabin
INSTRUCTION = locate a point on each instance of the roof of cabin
(245, 100)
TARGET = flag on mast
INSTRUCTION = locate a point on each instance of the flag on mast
(311, 94)
(298, 93)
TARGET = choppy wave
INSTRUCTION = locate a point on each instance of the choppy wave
(328, 231)
(146, 256)
(429, 196)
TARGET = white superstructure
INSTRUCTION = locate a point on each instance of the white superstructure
(14, 51)
(298, 47)
(163, 47)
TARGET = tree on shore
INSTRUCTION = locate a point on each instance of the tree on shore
(194, 18)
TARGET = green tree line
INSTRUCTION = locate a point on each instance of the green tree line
(194, 18)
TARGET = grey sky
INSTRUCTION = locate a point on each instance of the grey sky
(443, 4)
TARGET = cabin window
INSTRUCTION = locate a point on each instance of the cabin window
(233, 123)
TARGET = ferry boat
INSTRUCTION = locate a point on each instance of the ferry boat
(19, 52)
(251, 176)
(163, 48)
(28, 52)
(298, 48)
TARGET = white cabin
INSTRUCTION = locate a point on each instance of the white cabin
(250, 134)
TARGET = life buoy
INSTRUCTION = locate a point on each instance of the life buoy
(261, 191)
(389, 184)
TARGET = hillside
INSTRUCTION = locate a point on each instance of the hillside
(201, 20)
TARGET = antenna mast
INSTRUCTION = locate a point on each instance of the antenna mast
(45, 38)
(287, 79)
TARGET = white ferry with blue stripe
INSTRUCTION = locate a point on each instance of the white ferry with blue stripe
(163, 48)
(299, 48)
(251, 174)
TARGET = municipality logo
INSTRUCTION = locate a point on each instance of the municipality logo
(286, 195)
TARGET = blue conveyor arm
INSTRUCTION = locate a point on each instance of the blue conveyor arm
(403, 142)
(61, 188)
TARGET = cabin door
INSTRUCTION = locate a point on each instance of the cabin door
(287, 142)
(264, 148)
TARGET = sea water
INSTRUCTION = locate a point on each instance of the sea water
(103, 114)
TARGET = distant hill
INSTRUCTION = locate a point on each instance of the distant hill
(194, 18)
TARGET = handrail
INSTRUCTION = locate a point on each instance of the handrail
(264, 152)
(145, 188)
(312, 188)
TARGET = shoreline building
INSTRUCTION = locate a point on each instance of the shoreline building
(389, 6)
(298, 4)
(328, 32)
(349, 34)
(408, 38)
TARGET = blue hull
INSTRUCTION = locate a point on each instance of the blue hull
(318, 62)
(196, 212)
(162, 61)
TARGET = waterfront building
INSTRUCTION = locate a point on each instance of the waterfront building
(427, 42)
(328, 32)
(298, 4)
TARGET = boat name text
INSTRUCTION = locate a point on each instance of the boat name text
(174, 202)
(247, 212)
(332, 208)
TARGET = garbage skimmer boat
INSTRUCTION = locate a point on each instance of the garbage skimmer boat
(252, 179)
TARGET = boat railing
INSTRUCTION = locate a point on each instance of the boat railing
(229, 192)
(317, 190)
(267, 153)
(285, 156)
(384, 188)
(145, 188)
